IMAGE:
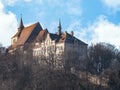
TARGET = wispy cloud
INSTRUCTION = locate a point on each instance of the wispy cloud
(76, 25)
(10, 2)
(13, 2)
(73, 7)
(53, 27)
(79, 31)
(27, 0)
(112, 4)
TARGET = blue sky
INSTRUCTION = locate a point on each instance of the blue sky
(91, 20)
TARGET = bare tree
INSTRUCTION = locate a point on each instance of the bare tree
(100, 56)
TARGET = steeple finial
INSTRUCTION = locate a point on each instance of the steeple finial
(21, 26)
(59, 28)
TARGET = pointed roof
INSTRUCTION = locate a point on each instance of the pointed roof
(21, 26)
(59, 26)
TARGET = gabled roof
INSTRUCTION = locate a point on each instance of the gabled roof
(65, 37)
(26, 33)
(42, 34)
(71, 39)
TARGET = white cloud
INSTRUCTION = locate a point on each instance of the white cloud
(112, 4)
(8, 26)
(106, 31)
(1, 6)
(102, 30)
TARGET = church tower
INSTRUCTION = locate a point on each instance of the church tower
(21, 26)
(59, 28)
(14, 39)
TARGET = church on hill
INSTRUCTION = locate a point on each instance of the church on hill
(45, 42)
(25, 34)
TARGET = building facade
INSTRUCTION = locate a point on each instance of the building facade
(58, 46)
(60, 42)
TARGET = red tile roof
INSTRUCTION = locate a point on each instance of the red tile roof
(42, 34)
(25, 34)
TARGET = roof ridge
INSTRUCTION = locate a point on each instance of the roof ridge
(32, 24)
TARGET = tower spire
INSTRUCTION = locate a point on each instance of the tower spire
(21, 26)
(59, 28)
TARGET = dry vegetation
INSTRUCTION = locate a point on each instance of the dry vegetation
(20, 71)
